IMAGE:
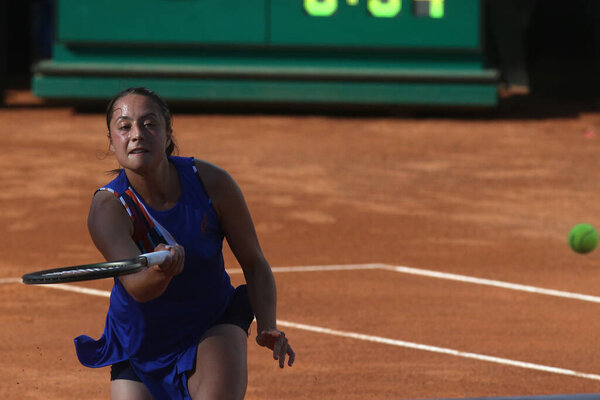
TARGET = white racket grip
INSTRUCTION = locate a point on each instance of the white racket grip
(156, 257)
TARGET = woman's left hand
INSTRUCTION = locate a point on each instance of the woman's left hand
(275, 340)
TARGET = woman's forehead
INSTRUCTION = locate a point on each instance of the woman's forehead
(135, 106)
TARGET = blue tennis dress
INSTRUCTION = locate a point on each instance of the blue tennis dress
(160, 337)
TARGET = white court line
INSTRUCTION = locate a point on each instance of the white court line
(314, 268)
(441, 350)
(440, 275)
(412, 271)
(79, 289)
(10, 280)
(382, 340)
(494, 283)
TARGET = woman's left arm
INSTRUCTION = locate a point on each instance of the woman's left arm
(241, 236)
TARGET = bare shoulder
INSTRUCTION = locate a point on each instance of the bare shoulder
(213, 177)
(103, 201)
(219, 184)
(106, 210)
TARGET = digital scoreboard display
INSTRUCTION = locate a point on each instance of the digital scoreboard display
(423, 24)
(400, 24)
(376, 8)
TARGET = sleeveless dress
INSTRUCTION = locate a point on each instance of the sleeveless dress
(160, 337)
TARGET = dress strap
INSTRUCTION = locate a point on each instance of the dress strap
(147, 232)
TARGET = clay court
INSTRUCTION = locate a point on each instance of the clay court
(376, 204)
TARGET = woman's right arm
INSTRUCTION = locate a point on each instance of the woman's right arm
(110, 228)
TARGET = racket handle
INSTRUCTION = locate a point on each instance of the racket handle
(156, 257)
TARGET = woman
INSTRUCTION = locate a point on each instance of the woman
(176, 330)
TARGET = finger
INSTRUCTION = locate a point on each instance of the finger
(276, 349)
(163, 246)
(167, 265)
(176, 265)
(179, 267)
(282, 351)
(291, 355)
(181, 258)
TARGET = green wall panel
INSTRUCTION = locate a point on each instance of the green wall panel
(162, 21)
(358, 59)
(282, 51)
(281, 92)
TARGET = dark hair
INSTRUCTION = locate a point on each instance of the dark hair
(162, 104)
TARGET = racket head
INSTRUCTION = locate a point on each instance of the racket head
(86, 272)
(100, 270)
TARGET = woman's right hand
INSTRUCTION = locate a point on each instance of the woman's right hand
(173, 265)
(275, 340)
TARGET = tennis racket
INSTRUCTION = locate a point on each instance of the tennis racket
(95, 271)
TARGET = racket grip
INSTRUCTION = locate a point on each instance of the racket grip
(156, 257)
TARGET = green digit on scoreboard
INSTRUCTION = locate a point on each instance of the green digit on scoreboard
(436, 9)
(384, 8)
(320, 8)
(429, 8)
(377, 8)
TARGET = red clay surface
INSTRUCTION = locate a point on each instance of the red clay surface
(489, 197)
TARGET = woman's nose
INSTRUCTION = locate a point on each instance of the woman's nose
(135, 133)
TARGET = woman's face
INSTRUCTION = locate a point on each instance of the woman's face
(138, 133)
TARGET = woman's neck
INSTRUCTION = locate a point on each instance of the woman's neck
(160, 188)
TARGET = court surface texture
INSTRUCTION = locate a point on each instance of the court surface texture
(417, 256)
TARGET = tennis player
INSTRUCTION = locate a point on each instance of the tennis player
(176, 330)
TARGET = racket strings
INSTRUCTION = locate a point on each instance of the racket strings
(85, 270)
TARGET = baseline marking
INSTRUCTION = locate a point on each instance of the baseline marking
(418, 272)
(10, 280)
(382, 340)
(440, 275)
(78, 289)
(490, 282)
(440, 350)
(316, 268)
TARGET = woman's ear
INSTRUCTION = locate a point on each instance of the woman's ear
(169, 138)
(110, 143)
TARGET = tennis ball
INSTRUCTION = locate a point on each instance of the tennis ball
(583, 238)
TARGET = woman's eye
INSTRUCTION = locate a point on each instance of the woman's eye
(148, 124)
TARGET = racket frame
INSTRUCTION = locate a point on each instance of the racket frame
(94, 271)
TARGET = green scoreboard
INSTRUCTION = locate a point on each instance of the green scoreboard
(414, 52)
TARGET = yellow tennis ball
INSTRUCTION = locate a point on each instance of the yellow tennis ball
(583, 238)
